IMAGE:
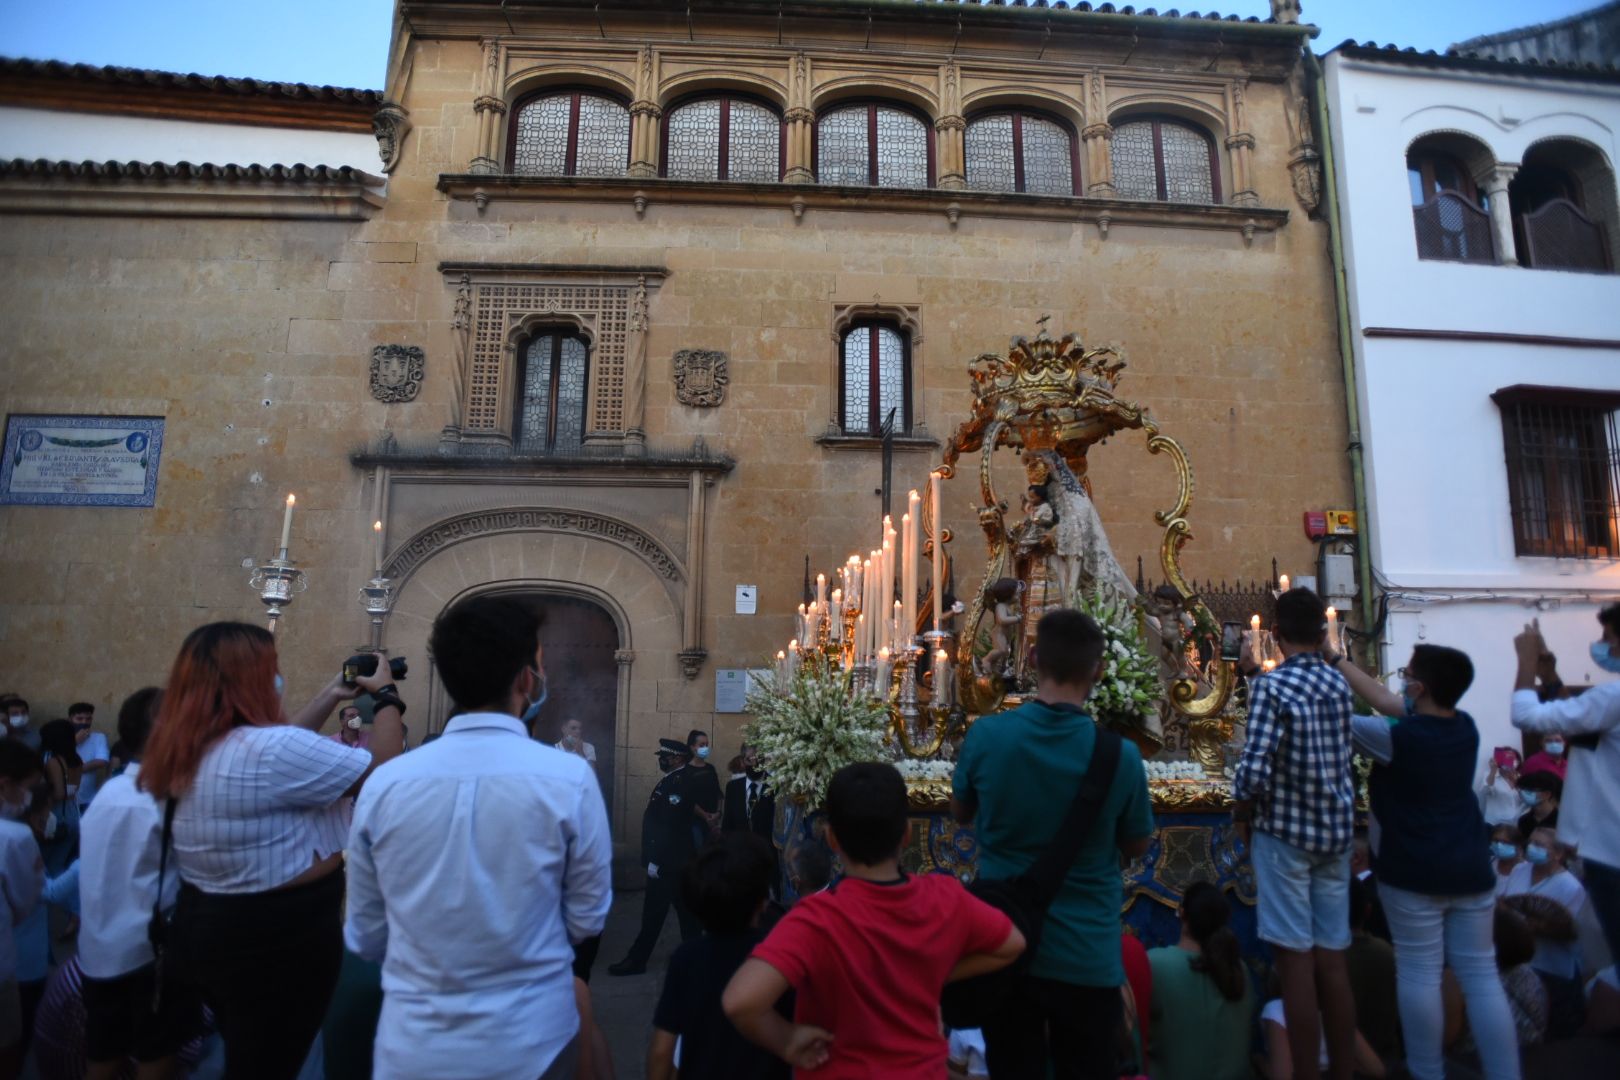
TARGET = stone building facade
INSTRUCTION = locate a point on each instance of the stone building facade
(665, 268)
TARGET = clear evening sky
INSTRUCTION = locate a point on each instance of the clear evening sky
(345, 42)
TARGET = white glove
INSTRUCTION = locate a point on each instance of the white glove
(652, 870)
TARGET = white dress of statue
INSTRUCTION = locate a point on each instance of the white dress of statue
(1082, 555)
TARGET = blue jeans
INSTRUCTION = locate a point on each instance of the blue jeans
(1304, 896)
(1432, 932)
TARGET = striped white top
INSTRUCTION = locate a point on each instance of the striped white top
(266, 804)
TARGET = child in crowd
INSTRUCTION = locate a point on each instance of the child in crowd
(727, 887)
(870, 956)
(1507, 851)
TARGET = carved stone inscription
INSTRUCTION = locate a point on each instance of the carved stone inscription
(486, 522)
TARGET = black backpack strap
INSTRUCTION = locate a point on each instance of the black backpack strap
(157, 931)
(1049, 870)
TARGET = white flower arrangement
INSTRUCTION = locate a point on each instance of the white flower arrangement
(1127, 695)
(912, 769)
(1174, 770)
(812, 726)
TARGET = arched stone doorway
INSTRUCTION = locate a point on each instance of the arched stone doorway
(580, 642)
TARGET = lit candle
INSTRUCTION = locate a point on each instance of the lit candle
(1268, 665)
(1282, 583)
(880, 682)
(377, 531)
(939, 552)
(835, 614)
(286, 521)
(914, 512)
(860, 638)
(799, 625)
(1333, 629)
(886, 591)
(908, 574)
(821, 588)
(781, 670)
(942, 677)
(897, 641)
(1254, 638)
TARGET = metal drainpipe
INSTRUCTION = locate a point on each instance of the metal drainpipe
(1347, 355)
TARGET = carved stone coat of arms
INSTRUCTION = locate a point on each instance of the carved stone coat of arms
(700, 377)
(396, 372)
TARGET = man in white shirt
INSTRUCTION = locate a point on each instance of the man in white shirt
(22, 879)
(1590, 805)
(474, 864)
(120, 852)
(93, 750)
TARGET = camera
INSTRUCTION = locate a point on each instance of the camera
(362, 665)
(1232, 641)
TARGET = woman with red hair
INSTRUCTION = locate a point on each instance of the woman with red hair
(260, 806)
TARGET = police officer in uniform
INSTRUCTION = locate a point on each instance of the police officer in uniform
(667, 843)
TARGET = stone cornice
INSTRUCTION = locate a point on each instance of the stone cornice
(617, 464)
(156, 189)
(796, 197)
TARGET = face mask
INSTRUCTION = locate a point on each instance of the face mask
(1530, 798)
(20, 720)
(1536, 854)
(353, 723)
(533, 710)
(1554, 748)
(281, 684)
(665, 763)
(703, 753)
(50, 825)
(1604, 658)
(1504, 850)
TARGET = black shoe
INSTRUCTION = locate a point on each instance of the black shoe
(627, 966)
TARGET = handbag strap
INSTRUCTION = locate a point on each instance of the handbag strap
(1049, 870)
(163, 855)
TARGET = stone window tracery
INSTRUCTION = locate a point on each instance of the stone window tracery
(723, 138)
(1163, 160)
(553, 376)
(1020, 151)
(875, 145)
(874, 378)
(570, 133)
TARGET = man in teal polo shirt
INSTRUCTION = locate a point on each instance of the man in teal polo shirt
(1016, 777)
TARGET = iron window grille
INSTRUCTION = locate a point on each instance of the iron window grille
(1563, 466)
(723, 138)
(570, 133)
(874, 376)
(874, 145)
(1165, 161)
(1021, 151)
(553, 376)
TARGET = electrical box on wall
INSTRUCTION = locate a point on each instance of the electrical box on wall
(1341, 522)
(1338, 578)
(1316, 525)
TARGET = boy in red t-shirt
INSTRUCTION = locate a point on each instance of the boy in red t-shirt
(870, 955)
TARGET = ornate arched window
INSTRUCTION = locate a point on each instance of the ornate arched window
(874, 378)
(723, 138)
(570, 133)
(1165, 160)
(1021, 151)
(1449, 214)
(874, 144)
(553, 373)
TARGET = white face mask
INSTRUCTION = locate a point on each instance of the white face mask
(19, 720)
(353, 723)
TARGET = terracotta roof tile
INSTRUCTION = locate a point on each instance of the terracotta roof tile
(14, 68)
(185, 170)
(1474, 61)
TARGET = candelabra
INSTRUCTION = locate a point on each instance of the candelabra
(377, 597)
(277, 582)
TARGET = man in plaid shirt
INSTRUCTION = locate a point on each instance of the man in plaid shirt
(1293, 788)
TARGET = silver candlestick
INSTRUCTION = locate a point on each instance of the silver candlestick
(277, 582)
(377, 597)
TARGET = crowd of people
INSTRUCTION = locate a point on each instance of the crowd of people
(223, 884)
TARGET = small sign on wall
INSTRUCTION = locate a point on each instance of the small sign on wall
(747, 599)
(80, 460)
(731, 686)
